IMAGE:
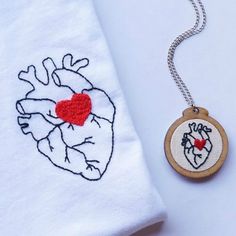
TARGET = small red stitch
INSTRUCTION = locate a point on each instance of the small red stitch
(76, 110)
(199, 144)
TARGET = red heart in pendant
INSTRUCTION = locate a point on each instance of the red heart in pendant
(76, 110)
(199, 143)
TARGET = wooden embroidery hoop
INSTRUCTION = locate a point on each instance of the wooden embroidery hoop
(190, 114)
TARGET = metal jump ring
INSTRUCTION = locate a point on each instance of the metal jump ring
(196, 109)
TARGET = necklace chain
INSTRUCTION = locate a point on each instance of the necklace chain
(196, 29)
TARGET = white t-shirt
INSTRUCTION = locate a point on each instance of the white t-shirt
(71, 161)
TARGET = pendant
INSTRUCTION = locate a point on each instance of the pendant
(196, 145)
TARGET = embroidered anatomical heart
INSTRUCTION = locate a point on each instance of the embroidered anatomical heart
(197, 144)
(71, 121)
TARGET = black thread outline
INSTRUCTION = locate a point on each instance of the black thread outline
(72, 64)
(67, 86)
(200, 127)
(27, 116)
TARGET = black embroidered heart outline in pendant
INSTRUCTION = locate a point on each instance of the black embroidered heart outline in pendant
(197, 144)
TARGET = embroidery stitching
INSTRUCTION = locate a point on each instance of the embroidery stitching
(79, 141)
(76, 110)
(197, 144)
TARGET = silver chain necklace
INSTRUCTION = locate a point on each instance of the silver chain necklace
(196, 145)
(196, 29)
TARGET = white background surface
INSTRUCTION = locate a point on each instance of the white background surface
(139, 34)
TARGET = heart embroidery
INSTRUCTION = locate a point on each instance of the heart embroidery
(76, 110)
(199, 144)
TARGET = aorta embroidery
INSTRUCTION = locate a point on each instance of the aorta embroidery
(196, 145)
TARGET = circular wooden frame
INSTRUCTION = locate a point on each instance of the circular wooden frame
(189, 114)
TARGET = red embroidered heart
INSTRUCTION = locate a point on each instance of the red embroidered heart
(199, 144)
(76, 110)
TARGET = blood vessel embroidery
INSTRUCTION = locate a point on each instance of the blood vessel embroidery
(197, 144)
(71, 121)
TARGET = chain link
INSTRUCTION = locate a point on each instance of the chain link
(196, 29)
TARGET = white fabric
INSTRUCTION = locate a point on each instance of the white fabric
(186, 154)
(56, 178)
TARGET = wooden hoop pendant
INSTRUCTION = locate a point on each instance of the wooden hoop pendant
(196, 145)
